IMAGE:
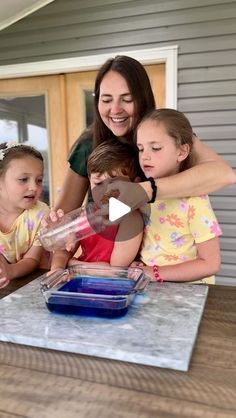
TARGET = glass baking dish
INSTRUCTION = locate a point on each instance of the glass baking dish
(97, 290)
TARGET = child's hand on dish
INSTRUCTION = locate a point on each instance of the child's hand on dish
(148, 270)
(137, 264)
(4, 280)
(73, 261)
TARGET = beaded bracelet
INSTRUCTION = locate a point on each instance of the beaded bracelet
(157, 275)
(154, 189)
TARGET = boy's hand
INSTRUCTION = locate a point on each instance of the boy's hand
(51, 217)
(71, 242)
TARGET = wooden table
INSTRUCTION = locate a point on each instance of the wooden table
(44, 383)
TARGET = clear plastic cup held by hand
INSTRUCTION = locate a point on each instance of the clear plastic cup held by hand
(72, 227)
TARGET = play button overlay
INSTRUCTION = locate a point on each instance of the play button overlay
(117, 209)
(122, 222)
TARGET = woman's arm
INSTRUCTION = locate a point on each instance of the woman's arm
(73, 191)
(208, 174)
(128, 240)
(201, 179)
(206, 264)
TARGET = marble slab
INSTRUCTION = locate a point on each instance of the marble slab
(159, 329)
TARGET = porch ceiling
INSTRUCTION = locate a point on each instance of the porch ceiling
(13, 10)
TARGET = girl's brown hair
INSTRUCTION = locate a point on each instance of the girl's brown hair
(16, 152)
(177, 127)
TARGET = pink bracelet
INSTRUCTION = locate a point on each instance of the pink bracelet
(156, 273)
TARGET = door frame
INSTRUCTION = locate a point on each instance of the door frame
(166, 54)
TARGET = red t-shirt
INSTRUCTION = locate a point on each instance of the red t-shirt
(99, 247)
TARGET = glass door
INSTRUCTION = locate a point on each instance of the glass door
(23, 120)
(32, 110)
(79, 98)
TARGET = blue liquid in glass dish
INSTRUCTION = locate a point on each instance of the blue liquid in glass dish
(99, 286)
(79, 303)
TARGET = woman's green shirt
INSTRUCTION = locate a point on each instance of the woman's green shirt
(79, 154)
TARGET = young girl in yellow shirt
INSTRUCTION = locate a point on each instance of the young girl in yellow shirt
(21, 177)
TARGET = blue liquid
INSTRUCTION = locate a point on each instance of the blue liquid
(110, 307)
(98, 286)
(53, 306)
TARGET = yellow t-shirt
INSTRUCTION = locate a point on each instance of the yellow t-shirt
(173, 229)
(22, 235)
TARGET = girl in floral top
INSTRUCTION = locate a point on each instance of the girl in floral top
(181, 235)
(21, 177)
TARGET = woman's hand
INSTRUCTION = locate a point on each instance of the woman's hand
(135, 195)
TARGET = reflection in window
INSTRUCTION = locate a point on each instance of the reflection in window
(37, 137)
(8, 130)
(23, 119)
(88, 106)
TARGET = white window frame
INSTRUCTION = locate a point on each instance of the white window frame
(167, 55)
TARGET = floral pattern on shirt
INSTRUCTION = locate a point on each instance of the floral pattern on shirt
(15, 243)
(173, 228)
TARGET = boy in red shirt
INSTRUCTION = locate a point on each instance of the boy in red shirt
(110, 159)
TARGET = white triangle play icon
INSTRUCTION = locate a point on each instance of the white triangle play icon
(117, 209)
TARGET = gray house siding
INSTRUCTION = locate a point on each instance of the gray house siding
(204, 30)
